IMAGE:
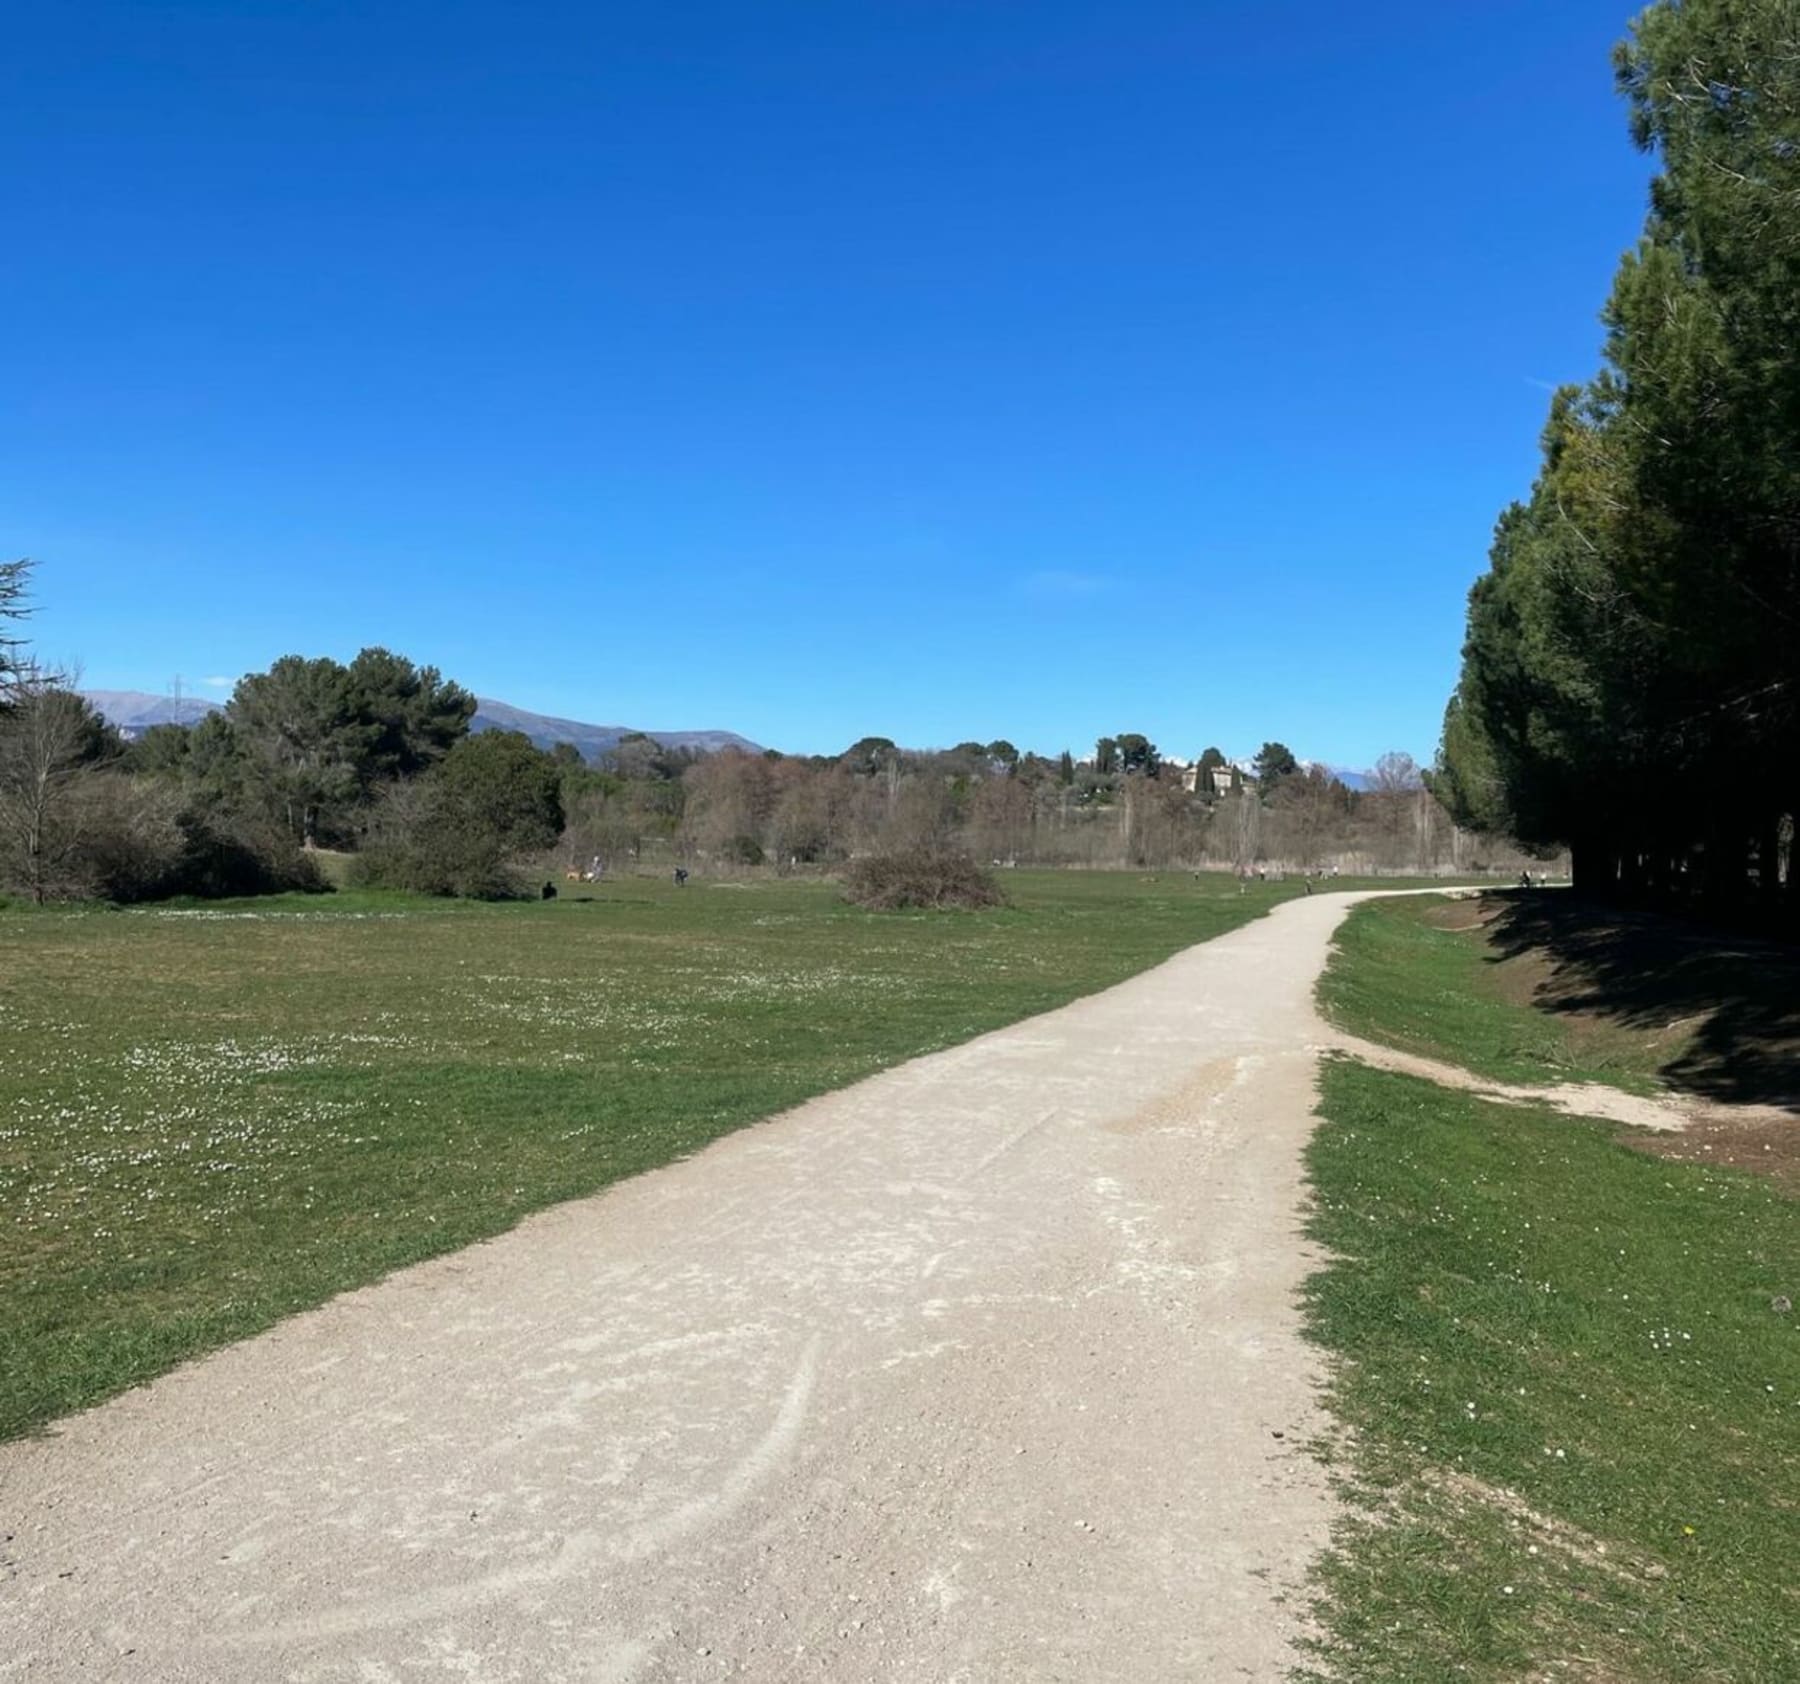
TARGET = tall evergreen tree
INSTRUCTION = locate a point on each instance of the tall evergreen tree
(15, 591)
(415, 713)
(1631, 678)
(1274, 761)
(307, 745)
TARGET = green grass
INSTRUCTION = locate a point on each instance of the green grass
(212, 1116)
(1572, 1407)
(1405, 980)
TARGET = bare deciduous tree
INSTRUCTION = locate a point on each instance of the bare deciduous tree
(1397, 773)
(1309, 817)
(47, 752)
(1000, 819)
(730, 797)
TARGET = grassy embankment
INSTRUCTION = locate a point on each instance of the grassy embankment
(211, 1117)
(1571, 1393)
(1428, 977)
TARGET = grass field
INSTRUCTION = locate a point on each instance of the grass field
(1547, 987)
(1571, 1393)
(217, 1115)
(1423, 975)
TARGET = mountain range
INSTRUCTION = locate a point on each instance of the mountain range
(1343, 774)
(135, 711)
(594, 740)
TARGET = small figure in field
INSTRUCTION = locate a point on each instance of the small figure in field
(1309, 882)
(596, 870)
(1524, 879)
(681, 877)
(549, 892)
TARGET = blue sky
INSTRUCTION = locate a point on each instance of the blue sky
(934, 370)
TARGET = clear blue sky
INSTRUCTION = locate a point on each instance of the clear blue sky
(935, 370)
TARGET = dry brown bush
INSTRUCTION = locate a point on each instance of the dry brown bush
(930, 878)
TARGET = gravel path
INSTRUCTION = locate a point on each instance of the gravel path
(985, 1369)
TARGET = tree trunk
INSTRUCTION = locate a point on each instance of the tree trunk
(1593, 868)
(1768, 867)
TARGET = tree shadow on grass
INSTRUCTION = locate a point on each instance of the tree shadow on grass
(1651, 973)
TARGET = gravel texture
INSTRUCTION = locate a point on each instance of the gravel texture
(987, 1368)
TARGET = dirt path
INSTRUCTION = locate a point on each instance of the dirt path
(985, 1369)
(1661, 1113)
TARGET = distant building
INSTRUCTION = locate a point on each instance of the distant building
(1214, 780)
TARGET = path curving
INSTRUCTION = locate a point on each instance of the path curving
(1659, 1113)
(987, 1368)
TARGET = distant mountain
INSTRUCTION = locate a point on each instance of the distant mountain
(1343, 774)
(594, 740)
(135, 711)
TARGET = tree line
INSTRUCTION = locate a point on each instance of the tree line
(375, 759)
(1122, 805)
(1630, 682)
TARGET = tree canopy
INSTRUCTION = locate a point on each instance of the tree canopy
(1274, 761)
(1631, 673)
(315, 738)
(15, 591)
(415, 714)
(1137, 753)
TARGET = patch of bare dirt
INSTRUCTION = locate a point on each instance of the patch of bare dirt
(1577, 1099)
(1764, 1144)
(1547, 1532)
(1580, 1669)
(1721, 1009)
(1716, 1013)
(1460, 916)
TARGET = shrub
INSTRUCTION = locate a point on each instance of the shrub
(436, 861)
(128, 845)
(138, 845)
(414, 844)
(456, 830)
(221, 858)
(919, 877)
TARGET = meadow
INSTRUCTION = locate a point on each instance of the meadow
(1566, 1363)
(212, 1116)
(1430, 978)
